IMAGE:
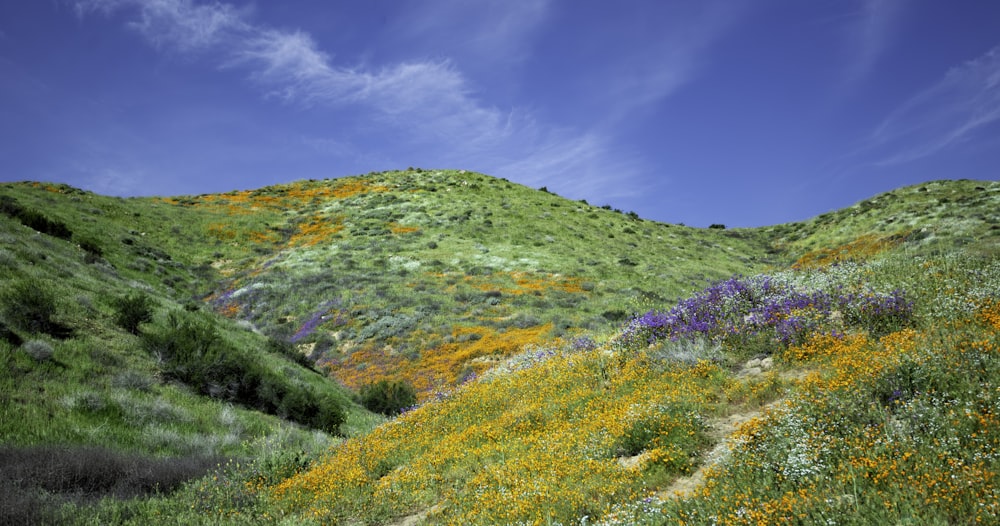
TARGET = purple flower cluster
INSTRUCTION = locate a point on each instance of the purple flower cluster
(582, 343)
(741, 309)
(321, 316)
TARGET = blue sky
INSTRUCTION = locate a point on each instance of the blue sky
(745, 113)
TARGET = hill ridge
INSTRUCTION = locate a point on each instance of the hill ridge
(441, 280)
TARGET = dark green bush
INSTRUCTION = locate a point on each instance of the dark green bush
(9, 206)
(36, 220)
(288, 350)
(389, 397)
(28, 305)
(132, 310)
(9, 336)
(186, 347)
(35, 480)
(192, 351)
(90, 246)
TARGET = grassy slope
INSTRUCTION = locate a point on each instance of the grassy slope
(931, 218)
(100, 388)
(397, 269)
(394, 274)
(398, 264)
(867, 410)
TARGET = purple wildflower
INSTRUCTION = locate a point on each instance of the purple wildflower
(318, 318)
(741, 308)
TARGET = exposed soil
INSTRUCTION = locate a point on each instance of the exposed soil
(721, 430)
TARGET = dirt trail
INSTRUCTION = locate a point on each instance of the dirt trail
(721, 430)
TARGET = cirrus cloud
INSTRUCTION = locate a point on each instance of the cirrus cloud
(958, 109)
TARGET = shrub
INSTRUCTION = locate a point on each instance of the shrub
(40, 350)
(28, 305)
(614, 315)
(91, 246)
(392, 325)
(9, 336)
(288, 350)
(95, 472)
(132, 380)
(389, 397)
(36, 220)
(132, 310)
(718, 226)
(192, 351)
(9, 206)
(186, 347)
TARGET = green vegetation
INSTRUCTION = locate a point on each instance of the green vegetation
(78, 317)
(389, 398)
(34, 219)
(191, 350)
(29, 306)
(132, 310)
(193, 359)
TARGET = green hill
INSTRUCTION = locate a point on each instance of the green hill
(241, 330)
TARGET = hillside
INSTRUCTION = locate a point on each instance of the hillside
(936, 217)
(538, 331)
(390, 266)
(116, 380)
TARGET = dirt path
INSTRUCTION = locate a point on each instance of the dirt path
(721, 430)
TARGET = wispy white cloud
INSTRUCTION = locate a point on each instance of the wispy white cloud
(956, 110)
(673, 52)
(290, 66)
(180, 24)
(494, 31)
(869, 35)
(430, 104)
(293, 69)
(430, 95)
(580, 166)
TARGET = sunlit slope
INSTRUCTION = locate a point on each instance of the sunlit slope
(78, 374)
(936, 217)
(874, 404)
(429, 275)
(551, 340)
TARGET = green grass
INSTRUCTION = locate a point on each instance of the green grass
(74, 378)
(498, 250)
(437, 276)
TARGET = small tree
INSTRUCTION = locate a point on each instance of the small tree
(389, 397)
(132, 310)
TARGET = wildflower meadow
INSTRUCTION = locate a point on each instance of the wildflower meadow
(441, 347)
(879, 410)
